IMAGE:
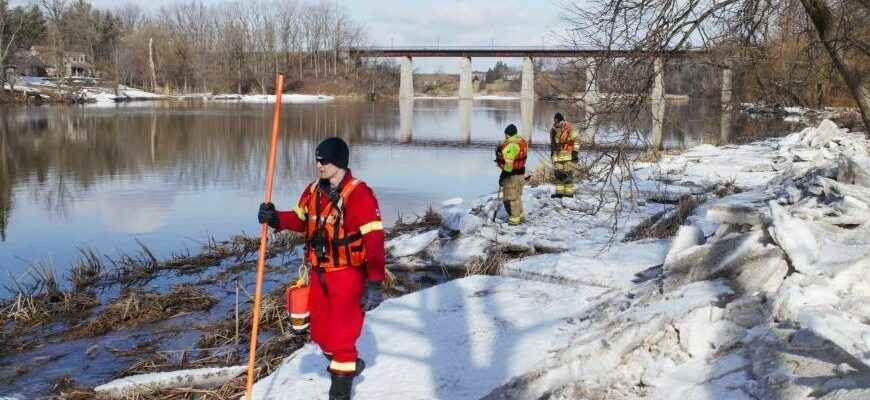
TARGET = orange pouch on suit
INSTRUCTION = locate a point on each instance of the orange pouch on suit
(297, 306)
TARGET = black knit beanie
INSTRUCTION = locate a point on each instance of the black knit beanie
(333, 151)
(558, 117)
(510, 130)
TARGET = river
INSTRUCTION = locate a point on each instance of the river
(171, 174)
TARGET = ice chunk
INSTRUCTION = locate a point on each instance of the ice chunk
(459, 252)
(795, 237)
(844, 394)
(687, 236)
(854, 169)
(735, 214)
(703, 331)
(202, 378)
(836, 327)
(799, 293)
(410, 244)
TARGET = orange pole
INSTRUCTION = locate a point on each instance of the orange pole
(264, 235)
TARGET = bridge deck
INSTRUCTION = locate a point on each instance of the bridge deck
(516, 52)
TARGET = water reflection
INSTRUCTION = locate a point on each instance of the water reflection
(406, 117)
(465, 120)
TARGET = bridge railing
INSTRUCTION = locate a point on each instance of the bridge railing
(482, 50)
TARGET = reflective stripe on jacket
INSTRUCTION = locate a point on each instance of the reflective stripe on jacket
(511, 155)
(562, 141)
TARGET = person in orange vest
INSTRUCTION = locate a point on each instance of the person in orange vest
(344, 245)
(510, 156)
(563, 139)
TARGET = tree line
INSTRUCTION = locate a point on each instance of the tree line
(196, 47)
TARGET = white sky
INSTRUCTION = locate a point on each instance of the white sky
(431, 22)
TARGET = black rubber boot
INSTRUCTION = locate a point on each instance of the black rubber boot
(556, 195)
(340, 387)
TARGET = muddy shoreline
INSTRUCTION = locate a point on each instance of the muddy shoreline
(112, 317)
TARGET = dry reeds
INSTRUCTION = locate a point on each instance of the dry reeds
(726, 188)
(136, 307)
(43, 300)
(541, 174)
(66, 388)
(238, 246)
(135, 268)
(665, 224)
(87, 271)
(26, 309)
(429, 220)
(490, 265)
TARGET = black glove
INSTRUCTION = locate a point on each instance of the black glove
(502, 177)
(268, 215)
(372, 296)
(575, 156)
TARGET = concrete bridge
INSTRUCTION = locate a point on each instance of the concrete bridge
(527, 91)
(465, 54)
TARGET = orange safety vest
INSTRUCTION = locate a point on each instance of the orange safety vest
(520, 161)
(327, 244)
(565, 137)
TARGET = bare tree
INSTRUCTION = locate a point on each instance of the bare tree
(734, 31)
(838, 42)
(132, 17)
(10, 26)
(54, 11)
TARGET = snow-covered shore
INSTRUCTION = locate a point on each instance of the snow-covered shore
(288, 98)
(477, 97)
(761, 295)
(762, 292)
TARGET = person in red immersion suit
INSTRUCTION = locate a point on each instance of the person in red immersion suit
(345, 248)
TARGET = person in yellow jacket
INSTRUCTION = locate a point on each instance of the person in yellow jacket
(563, 140)
(510, 156)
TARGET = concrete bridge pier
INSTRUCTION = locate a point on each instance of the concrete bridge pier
(528, 89)
(527, 116)
(406, 80)
(590, 100)
(727, 106)
(466, 90)
(657, 100)
(465, 120)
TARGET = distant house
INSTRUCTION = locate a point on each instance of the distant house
(76, 64)
(36, 62)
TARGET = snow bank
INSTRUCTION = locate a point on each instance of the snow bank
(458, 340)
(762, 293)
(285, 98)
(98, 96)
(612, 268)
(138, 94)
(791, 250)
(410, 244)
(480, 97)
(203, 378)
(495, 97)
